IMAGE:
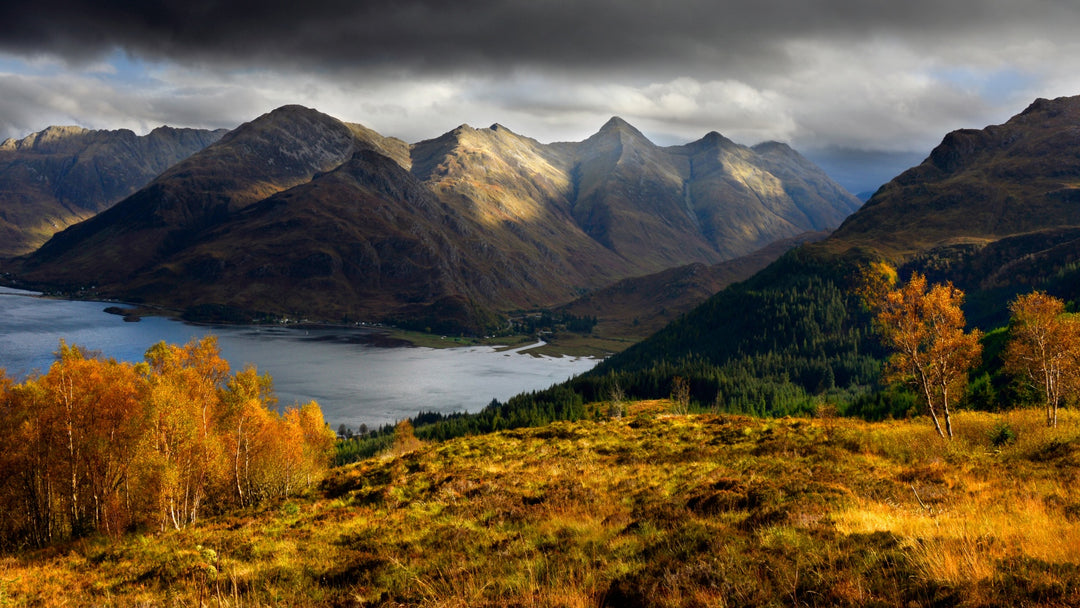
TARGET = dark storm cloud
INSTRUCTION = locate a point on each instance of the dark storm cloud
(881, 79)
(438, 35)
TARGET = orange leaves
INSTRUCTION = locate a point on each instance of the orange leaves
(95, 444)
(924, 327)
(183, 402)
(1044, 348)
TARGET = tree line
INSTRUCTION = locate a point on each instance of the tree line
(98, 445)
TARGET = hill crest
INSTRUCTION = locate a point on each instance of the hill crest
(978, 186)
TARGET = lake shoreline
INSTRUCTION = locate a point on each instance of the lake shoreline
(370, 334)
(340, 367)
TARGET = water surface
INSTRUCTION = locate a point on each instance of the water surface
(354, 383)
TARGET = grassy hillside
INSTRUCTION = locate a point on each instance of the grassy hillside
(646, 510)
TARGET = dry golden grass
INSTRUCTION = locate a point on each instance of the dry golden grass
(649, 510)
(984, 506)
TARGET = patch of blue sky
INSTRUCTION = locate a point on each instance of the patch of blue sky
(993, 86)
(117, 68)
(121, 69)
(30, 66)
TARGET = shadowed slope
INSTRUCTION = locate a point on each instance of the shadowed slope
(357, 242)
(284, 148)
(639, 306)
(54, 178)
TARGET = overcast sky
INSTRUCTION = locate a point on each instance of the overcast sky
(865, 88)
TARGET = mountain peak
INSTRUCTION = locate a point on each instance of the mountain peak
(297, 117)
(47, 135)
(773, 146)
(618, 128)
(61, 131)
(1052, 107)
(712, 140)
(302, 130)
(292, 108)
(616, 122)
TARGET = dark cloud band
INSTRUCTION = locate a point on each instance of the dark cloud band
(438, 35)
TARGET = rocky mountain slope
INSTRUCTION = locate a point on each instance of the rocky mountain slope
(979, 186)
(299, 214)
(54, 178)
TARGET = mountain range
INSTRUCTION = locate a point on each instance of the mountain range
(299, 214)
(54, 178)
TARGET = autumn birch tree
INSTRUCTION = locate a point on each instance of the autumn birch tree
(27, 463)
(248, 434)
(1043, 348)
(184, 404)
(924, 327)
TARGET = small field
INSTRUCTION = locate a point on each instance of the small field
(646, 510)
(566, 344)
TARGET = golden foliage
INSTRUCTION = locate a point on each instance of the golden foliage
(100, 445)
(1044, 349)
(874, 282)
(653, 510)
(924, 327)
(405, 440)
